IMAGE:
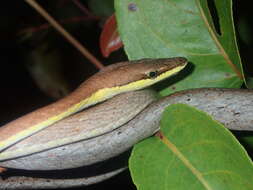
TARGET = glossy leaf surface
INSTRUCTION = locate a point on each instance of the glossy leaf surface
(184, 28)
(109, 38)
(192, 151)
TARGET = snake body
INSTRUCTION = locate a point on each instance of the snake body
(116, 79)
(236, 106)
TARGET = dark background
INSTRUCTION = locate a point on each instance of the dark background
(19, 93)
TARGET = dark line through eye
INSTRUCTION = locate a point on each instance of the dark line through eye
(153, 74)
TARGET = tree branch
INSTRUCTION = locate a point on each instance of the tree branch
(65, 34)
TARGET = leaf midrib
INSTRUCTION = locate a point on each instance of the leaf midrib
(216, 41)
(181, 157)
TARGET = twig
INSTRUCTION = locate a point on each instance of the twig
(47, 25)
(67, 35)
(84, 9)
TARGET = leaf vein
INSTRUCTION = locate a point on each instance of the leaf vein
(187, 163)
(219, 46)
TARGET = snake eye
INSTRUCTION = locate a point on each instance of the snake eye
(152, 74)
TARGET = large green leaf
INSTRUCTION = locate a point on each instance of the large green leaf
(191, 152)
(169, 28)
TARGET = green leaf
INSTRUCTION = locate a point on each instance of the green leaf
(169, 28)
(191, 152)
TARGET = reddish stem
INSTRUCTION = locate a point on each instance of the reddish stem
(47, 25)
(84, 9)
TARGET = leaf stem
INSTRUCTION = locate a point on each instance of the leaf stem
(84, 9)
(47, 25)
(65, 34)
